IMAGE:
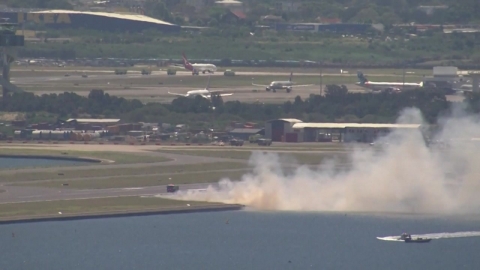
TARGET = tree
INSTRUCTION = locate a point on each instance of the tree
(334, 90)
(158, 9)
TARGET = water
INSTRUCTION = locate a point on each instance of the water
(6, 163)
(250, 240)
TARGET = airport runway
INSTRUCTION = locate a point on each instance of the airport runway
(149, 88)
(16, 194)
(41, 75)
(176, 159)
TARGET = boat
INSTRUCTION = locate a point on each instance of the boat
(418, 240)
(409, 239)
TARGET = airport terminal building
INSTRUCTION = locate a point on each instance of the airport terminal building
(294, 130)
(102, 21)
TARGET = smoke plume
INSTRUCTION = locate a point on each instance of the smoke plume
(401, 173)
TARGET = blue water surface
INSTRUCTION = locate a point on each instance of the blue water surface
(238, 240)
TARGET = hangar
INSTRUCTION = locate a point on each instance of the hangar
(346, 132)
(281, 130)
(102, 21)
(294, 130)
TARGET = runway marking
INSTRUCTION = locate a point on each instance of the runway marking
(32, 196)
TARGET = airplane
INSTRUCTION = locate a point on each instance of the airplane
(463, 88)
(205, 93)
(287, 85)
(385, 86)
(197, 68)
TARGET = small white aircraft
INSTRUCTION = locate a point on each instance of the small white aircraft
(205, 93)
(287, 85)
(196, 68)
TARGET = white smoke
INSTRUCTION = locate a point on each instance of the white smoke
(405, 175)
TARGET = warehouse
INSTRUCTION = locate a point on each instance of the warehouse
(102, 21)
(90, 124)
(281, 130)
(346, 132)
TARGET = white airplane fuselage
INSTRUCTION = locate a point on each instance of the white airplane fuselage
(210, 68)
(194, 93)
(378, 86)
(279, 85)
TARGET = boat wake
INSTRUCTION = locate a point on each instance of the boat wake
(434, 236)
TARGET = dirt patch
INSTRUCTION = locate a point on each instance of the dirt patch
(11, 116)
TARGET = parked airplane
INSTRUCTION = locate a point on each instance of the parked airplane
(287, 85)
(196, 68)
(385, 86)
(205, 93)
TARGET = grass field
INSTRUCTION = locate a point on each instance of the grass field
(133, 173)
(301, 158)
(91, 206)
(141, 180)
(119, 158)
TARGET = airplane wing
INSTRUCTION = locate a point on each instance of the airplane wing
(176, 94)
(302, 85)
(260, 85)
(220, 93)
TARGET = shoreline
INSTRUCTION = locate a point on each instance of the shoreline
(122, 213)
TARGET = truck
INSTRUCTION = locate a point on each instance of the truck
(254, 138)
(236, 142)
(229, 72)
(266, 142)
(171, 71)
(172, 188)
(146, 72)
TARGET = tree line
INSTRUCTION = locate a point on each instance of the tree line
(337, 105)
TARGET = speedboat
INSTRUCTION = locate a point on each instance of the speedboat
(408, 239)
(418, 240)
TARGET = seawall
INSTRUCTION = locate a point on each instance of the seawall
(116, 214)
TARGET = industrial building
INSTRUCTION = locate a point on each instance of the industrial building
(346, 28)
(281, 130)
(346, 132)
(448, 77)
(294, 130)
(102, 21)
(90, 124)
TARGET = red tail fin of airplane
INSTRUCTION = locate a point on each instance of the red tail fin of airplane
(186, 64)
